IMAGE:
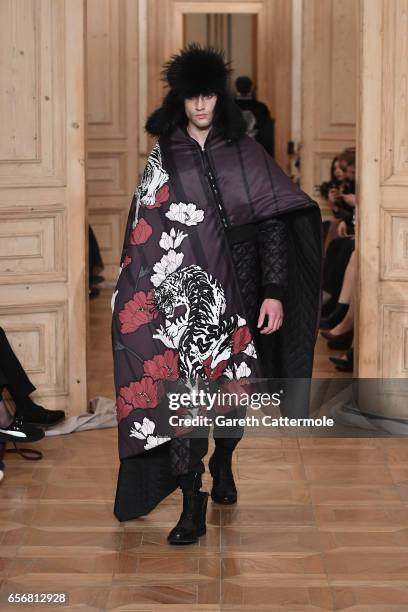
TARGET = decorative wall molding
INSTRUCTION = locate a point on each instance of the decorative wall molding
(107, 55)
(394, 158)
(113, 121)
(33, 146)
(38, 334)
(33, 246)
(394, 357)
(382, 228)
(42, 195)
(394, 248)
(107, 173)
(329, 83)
(107, 225)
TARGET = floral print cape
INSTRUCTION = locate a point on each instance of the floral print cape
(177, 313)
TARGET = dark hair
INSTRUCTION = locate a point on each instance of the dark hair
(228, 119)
(349, 156)
(332, 175)
(243, 85)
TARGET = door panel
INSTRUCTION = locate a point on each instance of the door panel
(113, 130)
(42, 195)
(382, 237)
(329, 86)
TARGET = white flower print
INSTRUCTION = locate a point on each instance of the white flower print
(145, 431)
(153, 441)
(241, 321)
(228, 372)
(172, 240)
(168, 264)
(250, 350)
(188, 214)
(242, 371)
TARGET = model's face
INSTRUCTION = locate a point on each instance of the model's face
(200, 110)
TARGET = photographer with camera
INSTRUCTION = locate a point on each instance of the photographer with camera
(339, 192)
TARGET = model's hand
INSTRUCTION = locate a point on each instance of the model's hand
(274, 311)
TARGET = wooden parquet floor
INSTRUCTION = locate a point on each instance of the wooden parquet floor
(321, 524)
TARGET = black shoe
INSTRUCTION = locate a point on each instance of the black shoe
(345, 366)
(191, 524)
(339, 342)
(20, 431)
(223, 490)
(335, 317)
(37, 415)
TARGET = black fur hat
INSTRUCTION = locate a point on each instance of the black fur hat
(197, 70)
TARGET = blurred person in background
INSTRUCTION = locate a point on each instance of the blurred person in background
(260, 124)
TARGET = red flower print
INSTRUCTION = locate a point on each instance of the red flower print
(162, 196)
(163, 366)
(126, 261)
(144, 393)
(240, 339)
(141, 233)
(138, 311)
(122, 408)
(214, 373)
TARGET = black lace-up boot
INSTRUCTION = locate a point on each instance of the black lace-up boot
(223, 490)
(191, 524)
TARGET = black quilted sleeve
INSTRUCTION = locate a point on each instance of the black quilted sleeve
(273, 255)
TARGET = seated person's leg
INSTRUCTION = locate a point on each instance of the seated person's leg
(13, 429)
(5, 416)
(20, 387)
(342, 306)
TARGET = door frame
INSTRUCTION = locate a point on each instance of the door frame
(274, 28)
